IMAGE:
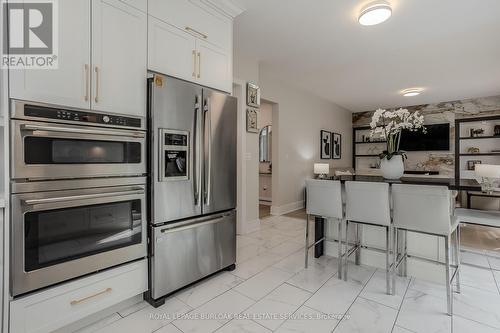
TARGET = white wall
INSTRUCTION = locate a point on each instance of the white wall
(296, 129)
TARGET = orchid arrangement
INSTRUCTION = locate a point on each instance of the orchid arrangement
(388, 125)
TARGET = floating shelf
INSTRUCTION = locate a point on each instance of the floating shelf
(480, 137)
(480, 154)
(361, 142)
(373, 155)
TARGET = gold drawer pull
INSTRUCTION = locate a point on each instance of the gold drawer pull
(196, 32)
(78, 301)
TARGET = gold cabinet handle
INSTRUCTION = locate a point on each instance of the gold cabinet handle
(86, 82)
(196, 32)
(96, 84)
(194, 63)
(78, 301)
(199, 65)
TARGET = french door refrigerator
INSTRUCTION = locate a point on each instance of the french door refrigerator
(192, 184)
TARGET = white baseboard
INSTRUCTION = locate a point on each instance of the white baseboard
(249, 227)
(287, 208)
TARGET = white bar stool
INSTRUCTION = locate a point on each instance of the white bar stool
(324, 199)
(428, 210)
(368, 203)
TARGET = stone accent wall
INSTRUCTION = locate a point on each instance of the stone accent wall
(434, 114)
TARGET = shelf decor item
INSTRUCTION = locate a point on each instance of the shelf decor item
(497, 130)
(253, 95)
(489, 175)
(252, 121)
(326, 145)
(475, 132)
(471, 165)
(388, 125)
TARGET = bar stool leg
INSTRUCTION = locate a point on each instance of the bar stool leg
(405, 263)
(387, 259)
(395, 257)
(346, 257)
(448, 282)
(457, 256)
(339, 255)
(357, 258)
(307, 241)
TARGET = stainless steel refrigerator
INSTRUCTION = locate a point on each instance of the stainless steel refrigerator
(192, 184)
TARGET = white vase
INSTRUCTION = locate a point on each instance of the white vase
(393, 168)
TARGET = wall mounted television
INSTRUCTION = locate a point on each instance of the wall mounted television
(437, 138)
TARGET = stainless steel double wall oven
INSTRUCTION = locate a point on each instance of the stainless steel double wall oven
(78, 193)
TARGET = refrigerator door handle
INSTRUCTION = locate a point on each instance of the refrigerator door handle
(208, 151)
(196, 152)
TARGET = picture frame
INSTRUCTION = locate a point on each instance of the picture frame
(471, 165)
(336, 146)
(252, 121)
(325, 145)
(253, 95)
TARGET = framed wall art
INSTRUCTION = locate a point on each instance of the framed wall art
(336, 146)
(326, 145)
(252, 121)
(253, 95)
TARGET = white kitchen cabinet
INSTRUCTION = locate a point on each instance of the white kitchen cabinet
(110, 76)
(214, 66)
(119, 60)
(174, 26)
(69, 85)
(56, 307)
(171, 50)
(196, 19)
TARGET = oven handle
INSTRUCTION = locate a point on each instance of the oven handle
(31, 127)
(80, 197)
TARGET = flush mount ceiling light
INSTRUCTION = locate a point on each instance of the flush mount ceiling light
(411, 92)
(375, 13)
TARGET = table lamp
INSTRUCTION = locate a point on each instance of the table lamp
(489, 173)
(321, 170)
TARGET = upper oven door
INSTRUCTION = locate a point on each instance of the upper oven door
(60, 235)
(50, 151)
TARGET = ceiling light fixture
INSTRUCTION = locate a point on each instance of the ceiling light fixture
(411, 92)
(375, 13)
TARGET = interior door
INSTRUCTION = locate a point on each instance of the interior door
(219, 176)
(119, 57)
(69, 84)
(176, 112)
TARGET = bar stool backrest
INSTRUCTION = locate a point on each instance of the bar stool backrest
(324, 198)
(368, 202)
(424, 208)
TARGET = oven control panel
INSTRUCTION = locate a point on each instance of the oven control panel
(80, 116)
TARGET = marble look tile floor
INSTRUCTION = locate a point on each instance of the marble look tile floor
(270, 291)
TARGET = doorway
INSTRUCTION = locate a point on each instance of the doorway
(266, 136)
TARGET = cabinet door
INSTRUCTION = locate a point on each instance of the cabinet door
(171, 50)
(214, 66)
(119, 58)
(69, 84)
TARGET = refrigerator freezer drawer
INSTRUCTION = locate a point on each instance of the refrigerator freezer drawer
(187, 253)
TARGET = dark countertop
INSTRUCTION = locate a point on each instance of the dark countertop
(462, 185)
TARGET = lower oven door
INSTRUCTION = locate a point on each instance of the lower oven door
(60, 235)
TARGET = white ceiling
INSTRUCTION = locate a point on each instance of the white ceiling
(451, 48)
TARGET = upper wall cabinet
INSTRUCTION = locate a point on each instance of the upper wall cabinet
(119, 44)
(69, 85)
(191, 40)
(110, 76)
